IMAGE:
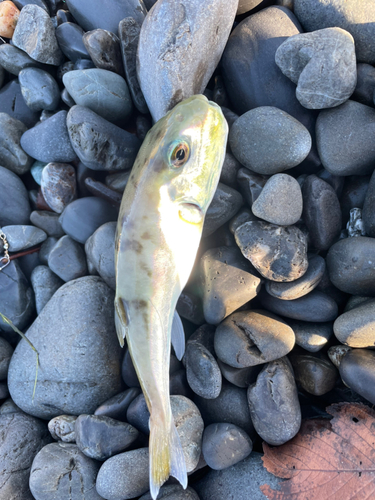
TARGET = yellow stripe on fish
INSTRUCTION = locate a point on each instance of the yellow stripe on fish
(171, 185)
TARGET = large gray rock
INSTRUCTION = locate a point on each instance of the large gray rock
(12, 156)
(345, 137)
(322, 64)
(352, 15)
(35, 34)
(180, 45)
(21, 437)
(78, 349)
(267, 140)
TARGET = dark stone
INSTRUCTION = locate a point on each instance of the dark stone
(143, 124)
(241, 481)
(315, 306)
(364, 91)
(45, 283)
(82, 64)
(125, 475)
(336, 181)
(21, 437)
(268, 140)
(99, 144)
(84, 216)
(173, 492)
(273, 400)
(99, 189)
(322, 64)
(100, 252)
(350, 264)
(59, 186)
(35, 34)
(78, 349)
(351, 16)
(69, 37)
(117, 406)
(189, 306)
(49, 140)
(356, 328)
(64, 16)
(228, 282)
(104, 49)
(47, 221)
(202, 371)
(184, 40)
(249, 338)
(16, 298)
(101, 437)
(6, 351)
(344, 138)
(241, 377)
(129, 31)
(45, 250)
(23, 237)
(229, 171)
(321, 212)
(138, 414)
(311, 336)
(129, 374)
(280, 201)
(90, 14)
(224, 445)
(12, 156)
(14, 60)
(354, 193)
(244, 215)
(302, 286)
(39, 89)
(40, 3)
(316, 375)
(250, 184)
(104, 92)
(178, 384)
(229, 407)
(278, 253)
(12, 103)
(357, 370)
(67, 259)
(61, 470)
(368, 215)
(225, 204)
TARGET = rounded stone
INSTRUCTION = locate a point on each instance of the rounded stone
(67, 259)
(337, 352)
(240, 377)
(104, 49)
(45, 283)
(301, 286)
(23, 237)
(357, 370)
(280, 201)
(117, 406)
(62, 428)
(138, 414)
(69, 37)
(279, 253)
(102, 91)
(78, 350)
(273, 401)
(350, 264)
(268, 140)
(61, 470)
(225, 204)
(59, 186)
(368, 216)
(47, 221)
(84, 216)
(364, 91)
(322, 64)
(173, 492)
(14, 200)
(12, 103)
(101, 437)
(6, 351)
(100, 252)
(12, 156)
(202, 371)
(15, 60)
(249, 338)
(344, 138)
(316, 375)
(21, 437)
(224, 445)
(315, 307)
(321, 212)
(124, 476)
(356, 328)
(311, 336)
(39, 89)
(352, 16)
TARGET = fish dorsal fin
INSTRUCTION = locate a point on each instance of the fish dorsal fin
(178, 336)
(121, 319)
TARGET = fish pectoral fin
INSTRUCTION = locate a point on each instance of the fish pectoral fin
(121, 319)
(178, 336)
(166, 455)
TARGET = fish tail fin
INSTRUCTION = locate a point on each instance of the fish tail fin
(166, 455)
(121, 320)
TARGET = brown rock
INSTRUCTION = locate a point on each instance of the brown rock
(8, 18)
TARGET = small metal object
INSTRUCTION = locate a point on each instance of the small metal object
(6, 259)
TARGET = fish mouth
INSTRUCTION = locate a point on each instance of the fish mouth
(191, 212)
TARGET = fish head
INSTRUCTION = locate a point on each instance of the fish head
(190, 156)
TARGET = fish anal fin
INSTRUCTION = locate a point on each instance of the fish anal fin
(166, 455)
(121, 319)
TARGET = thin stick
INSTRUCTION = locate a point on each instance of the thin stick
(7, 320)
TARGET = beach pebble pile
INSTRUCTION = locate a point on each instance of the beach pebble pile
(279, 311)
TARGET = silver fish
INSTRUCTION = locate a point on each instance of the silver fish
(172, 183)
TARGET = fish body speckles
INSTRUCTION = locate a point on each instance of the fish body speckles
(159, 228)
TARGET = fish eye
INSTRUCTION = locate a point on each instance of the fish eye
(179, 154)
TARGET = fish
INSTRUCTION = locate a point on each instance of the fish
(170, 188)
